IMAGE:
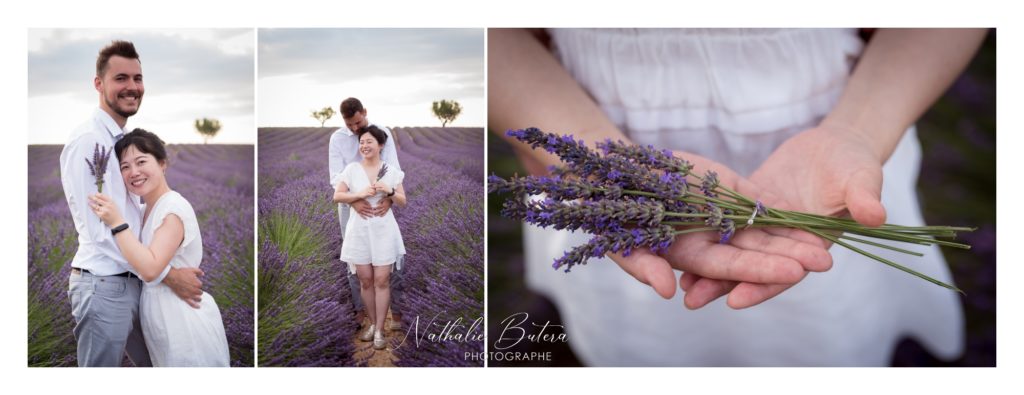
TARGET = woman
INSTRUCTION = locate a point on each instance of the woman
(372, 244)
(176, 334)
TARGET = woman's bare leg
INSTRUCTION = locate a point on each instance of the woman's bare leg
(365, 274)
(382, 292)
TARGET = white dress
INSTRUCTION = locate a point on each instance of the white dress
(177, 334)
(734, 96)
(374, 240)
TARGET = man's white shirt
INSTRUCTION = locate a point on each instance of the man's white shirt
(97, 250)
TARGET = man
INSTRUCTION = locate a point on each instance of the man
(344, 149)
(104, 289)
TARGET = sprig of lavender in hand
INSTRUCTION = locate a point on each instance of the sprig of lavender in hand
(383, 171)
(631, 196)
(98, 165)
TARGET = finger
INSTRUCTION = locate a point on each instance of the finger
(864, 197)
(192, 303)
(705, 291)
(727, 262)
(749, 294)
(811, 257)
(649, 269)
(686, 280)
(200, 273)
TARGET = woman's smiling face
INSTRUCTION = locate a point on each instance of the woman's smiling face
(368, 146)
(142, 172)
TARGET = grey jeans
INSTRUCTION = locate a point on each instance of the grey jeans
(106, 312)
(353, 280)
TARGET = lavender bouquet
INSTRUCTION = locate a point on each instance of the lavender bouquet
(632, 197)
(98, 165)
(383, 171)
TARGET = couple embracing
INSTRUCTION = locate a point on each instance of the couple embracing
(134, 284)
(367, 181)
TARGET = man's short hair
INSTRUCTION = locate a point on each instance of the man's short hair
(124, 49)
(350, 106)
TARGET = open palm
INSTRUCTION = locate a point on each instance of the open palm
(753, 256)
(824, 170)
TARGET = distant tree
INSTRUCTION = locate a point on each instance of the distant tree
(207, 127)
(323, 115)
(446, 111)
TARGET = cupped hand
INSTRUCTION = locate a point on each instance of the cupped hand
(754, 256)
(826, 170)
(105, 208)
(761, 257)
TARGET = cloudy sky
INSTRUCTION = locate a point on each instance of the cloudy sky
(188, 74)
(396, 73)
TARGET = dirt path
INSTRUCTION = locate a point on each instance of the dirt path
(365, 351)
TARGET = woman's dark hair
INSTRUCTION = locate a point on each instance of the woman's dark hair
(374, 131)
(145, 142)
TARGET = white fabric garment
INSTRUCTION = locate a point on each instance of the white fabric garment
(734, 96)
(97, 250)
(375, 240)
(177, 334)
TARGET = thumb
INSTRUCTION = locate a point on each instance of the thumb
(864, 197)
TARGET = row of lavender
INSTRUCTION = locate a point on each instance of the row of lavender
(306, 316)
(305, 313)
(443, 228)
(217, 181)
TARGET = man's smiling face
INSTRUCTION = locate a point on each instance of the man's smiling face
(121, 87)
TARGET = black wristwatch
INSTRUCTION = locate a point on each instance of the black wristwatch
(117, 229)
(393, 190)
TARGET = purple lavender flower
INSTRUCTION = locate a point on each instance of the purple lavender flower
(715, 218)
(98, 166)
(726, 231)
(646, 156)
(383, 171)
(591, 216)
(709, 184)
(580, 159)
(555, 187)
(658, 238)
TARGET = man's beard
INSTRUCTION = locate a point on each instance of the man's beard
(125, 113)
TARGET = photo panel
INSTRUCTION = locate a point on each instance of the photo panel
(713, 212)
(371, 197)
(141, 197)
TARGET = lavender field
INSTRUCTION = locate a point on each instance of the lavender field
(216, 179)
(306, 316)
